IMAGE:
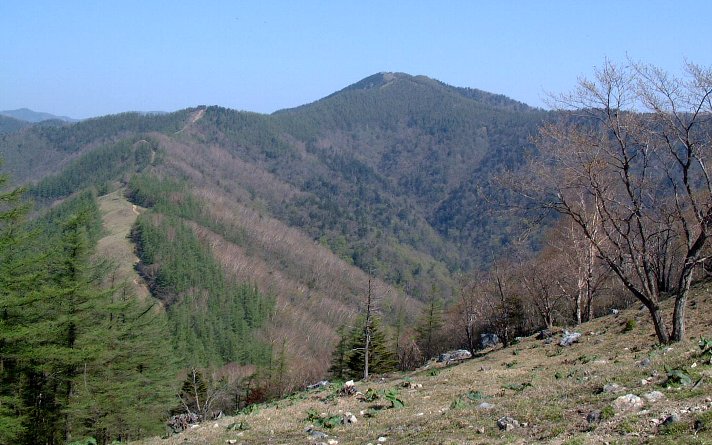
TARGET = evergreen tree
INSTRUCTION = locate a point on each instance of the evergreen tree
(382, 359)
(16, 277)
(338, 367)
(429, 326)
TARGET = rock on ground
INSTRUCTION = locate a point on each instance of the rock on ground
(628, 402)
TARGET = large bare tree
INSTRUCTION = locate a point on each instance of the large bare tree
(628, 163)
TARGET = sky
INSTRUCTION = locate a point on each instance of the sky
(90, 58)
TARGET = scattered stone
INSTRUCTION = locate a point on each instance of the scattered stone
(460, 354)
(699, 425)
(615, 311)
(593, 417)
(411, 385)
(507, 423)
(485, 405)
(673, 418)
(231, 441)
(480, 430)
(488, 340)
(316, 434)
(320, 384)
(628, 402)
(349, 418)
(612, 388)
(653, 396)
(332, 442)
(349, 388)
(569, 338)
(382, 439)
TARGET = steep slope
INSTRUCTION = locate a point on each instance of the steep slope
(557, 395)
(431, 145)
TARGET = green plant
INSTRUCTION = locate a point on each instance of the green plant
(475, 395)
(706, 348)
(238, 426)
(558, 375)
(675, 429)
(583, 359)
(392, 396)
(510, 364)
(371, 395)
(677, 377)
(327, 422)
(433, 372)
(249, 409)
(517, 386)
(458, 403)
(630, 325)
(607, 412)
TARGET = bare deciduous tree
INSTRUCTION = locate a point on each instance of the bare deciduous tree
(628, 164)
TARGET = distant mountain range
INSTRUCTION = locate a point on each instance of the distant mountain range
(27, 115)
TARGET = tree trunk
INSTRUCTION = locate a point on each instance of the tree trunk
(678, 317)
(658, 322)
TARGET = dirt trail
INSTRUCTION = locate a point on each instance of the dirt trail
(118, 216)
(193, 119)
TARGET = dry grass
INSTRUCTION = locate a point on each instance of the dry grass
(118, 215)
(565, 387)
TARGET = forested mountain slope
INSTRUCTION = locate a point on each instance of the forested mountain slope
(291, 212)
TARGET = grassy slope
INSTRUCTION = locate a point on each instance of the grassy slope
(566, 385)
(118, 216)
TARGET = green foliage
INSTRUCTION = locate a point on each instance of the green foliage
(678, 377)
(607, 412)
(327, 422)
(705, 347)
(458, 403)
(238, 426)
(371, 395)
(429, 326)
(475, 395)
(212, 319)
(392, 396)
(95, 168)
(630, 325)
(348, 358)
(76, 358)
(518, 387)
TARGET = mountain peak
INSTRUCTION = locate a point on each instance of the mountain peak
(377, 80)
(27, 115)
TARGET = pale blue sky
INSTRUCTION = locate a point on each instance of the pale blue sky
(89, 58)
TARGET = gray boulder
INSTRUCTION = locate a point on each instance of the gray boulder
(488, 340)
(569, 338)
(460, 354)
